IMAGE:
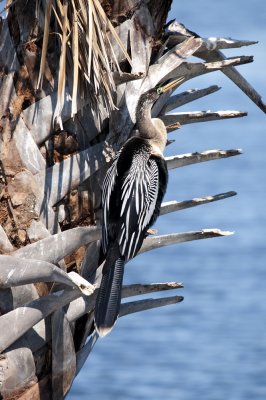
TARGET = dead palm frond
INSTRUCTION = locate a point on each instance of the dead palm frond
(87, 58)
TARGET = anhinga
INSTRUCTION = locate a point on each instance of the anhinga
(132, 193)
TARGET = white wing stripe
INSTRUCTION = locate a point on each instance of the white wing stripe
(139, 195)
(108, 185)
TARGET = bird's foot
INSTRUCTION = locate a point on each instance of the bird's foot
(151, 231)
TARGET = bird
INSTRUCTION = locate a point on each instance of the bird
(132, 193)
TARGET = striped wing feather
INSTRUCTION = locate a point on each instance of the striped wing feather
(107, 189)
(134, 193)
(139, 195)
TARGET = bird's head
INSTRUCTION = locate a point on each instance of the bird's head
(153, 128)
(152, 95)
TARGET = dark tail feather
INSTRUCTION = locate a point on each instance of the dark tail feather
(109, 298)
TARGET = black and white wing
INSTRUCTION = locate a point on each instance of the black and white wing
(107, 189)
(131, 196)
(139, 193)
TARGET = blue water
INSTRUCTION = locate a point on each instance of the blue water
(212, 346)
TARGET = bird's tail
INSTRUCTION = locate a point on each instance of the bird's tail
(109, 297)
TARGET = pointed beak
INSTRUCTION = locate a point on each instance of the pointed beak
(171, 85)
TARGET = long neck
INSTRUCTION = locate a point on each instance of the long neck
(151, 129)
(144, 120)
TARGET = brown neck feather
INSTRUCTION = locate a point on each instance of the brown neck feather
(144, 122)
(152, 129)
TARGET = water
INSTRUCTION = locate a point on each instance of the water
(213, 345)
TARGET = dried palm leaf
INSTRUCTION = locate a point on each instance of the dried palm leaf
(45, 42)
(62, 69)
(87, 58)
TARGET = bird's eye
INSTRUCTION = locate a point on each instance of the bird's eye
(159, 90)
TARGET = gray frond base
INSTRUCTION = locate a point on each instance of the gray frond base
(176, 120)
(194, 158)
(147, 304)
(172, 206)
(173, 238)
(137, 289)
